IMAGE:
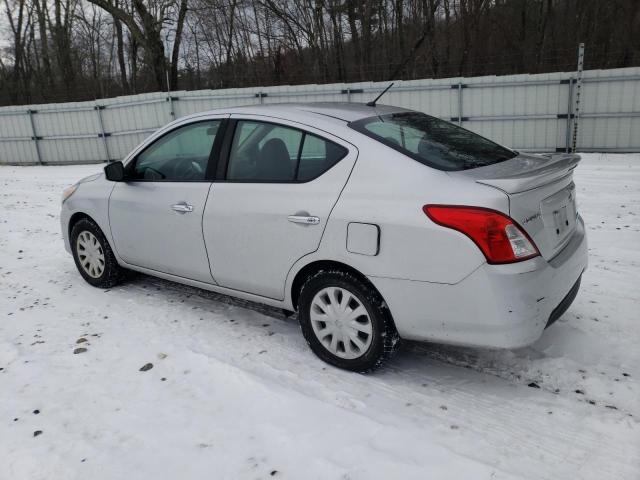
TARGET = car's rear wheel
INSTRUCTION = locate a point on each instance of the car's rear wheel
(345, 321)
(93, 255)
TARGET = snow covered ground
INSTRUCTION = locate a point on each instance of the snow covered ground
(235, 393)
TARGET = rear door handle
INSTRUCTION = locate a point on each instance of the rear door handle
(304, 219)
(182, 207)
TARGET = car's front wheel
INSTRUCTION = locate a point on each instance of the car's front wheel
(346, 322)
(93, 255)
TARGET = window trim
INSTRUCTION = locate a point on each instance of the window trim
(225, 155)
(211, 161)
(360, 126)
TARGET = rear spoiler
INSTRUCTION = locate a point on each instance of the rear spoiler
(526, 172)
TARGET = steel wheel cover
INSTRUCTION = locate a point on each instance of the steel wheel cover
(90, 254)
(341, 323)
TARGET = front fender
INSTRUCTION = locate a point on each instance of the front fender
(91, 199)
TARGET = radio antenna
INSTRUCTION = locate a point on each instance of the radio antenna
(372, 103)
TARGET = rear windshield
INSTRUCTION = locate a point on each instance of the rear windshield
(432, 141)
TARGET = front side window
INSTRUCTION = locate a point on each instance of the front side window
(432, 141)
(181, 155)
(266, 152)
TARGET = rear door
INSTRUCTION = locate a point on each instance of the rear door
(156, 214)
(271, 202)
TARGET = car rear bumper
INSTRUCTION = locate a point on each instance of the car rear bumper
(496, 306)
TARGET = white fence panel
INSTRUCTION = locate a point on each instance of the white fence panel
(525, 112)
(611, 111)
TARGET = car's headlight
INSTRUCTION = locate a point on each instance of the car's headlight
(67, 192)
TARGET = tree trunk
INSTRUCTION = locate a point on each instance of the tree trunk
(355, 39)
(175, 55)
(41, 14)
(61, 34)
(122, 64)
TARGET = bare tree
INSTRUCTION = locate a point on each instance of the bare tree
(145, 22)
(77, 49)
(18, 16)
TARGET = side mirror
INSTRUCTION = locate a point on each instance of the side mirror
(114, 172)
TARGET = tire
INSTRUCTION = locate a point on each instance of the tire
(322, 298)
(87, 254)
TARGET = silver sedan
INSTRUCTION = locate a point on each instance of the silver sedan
(374, 223)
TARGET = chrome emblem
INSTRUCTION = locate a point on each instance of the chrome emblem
(531, 218)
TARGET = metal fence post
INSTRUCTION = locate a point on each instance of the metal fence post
(260, 95)
(34, 135)
(348, 95)
(459, 103)
(103, 134)
(576, 114)
(569, 116)
(172, 114)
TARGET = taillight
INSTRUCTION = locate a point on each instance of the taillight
(498, 236)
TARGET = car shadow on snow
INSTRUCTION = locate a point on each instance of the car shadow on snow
(500, 363)
(550, 366)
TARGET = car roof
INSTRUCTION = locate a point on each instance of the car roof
(344, 112)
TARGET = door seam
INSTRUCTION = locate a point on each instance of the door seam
(204, 242)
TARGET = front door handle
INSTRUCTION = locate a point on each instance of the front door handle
(182, 207)
(305, 219)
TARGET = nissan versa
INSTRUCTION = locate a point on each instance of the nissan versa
(374, 223)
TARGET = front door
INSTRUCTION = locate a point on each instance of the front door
(273, 202)
(156, 214)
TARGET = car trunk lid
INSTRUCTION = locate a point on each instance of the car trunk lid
(542, 197)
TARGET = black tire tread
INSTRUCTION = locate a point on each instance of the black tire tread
(113, 273)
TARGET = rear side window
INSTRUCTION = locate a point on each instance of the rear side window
(432, 141)
(317, 156)
(267, 152)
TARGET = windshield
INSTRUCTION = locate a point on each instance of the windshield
(432, 141)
